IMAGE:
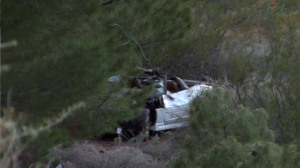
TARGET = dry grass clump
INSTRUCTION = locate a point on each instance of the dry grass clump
(163, 148)
(91, 155)
(9, 145)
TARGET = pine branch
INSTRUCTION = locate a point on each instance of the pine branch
(134, 42)
(163, 5)
(108, 2)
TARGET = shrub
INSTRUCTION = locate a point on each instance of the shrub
(91, 155)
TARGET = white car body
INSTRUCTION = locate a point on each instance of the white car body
(175, 113)
(173, 109)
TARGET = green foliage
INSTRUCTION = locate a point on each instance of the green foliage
(251, 46)
(231, 153)
(67, 50)
(224, 135)
(57, 136)
(221, 121)
(253, 49)
(15, 140)
(70, 56)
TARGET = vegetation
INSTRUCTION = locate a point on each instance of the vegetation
(67, 50)
(87, 155)
(72, 46)
(11, 145)
(229, 135)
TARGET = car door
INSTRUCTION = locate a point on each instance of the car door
(176, 107)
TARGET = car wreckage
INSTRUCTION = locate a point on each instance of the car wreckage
(167, 106)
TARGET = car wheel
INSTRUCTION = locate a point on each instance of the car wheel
(144, 129)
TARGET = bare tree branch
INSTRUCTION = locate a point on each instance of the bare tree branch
(108, 2)
(164, 4)
(133, 41)
(123, 44)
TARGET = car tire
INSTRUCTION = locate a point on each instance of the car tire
(140, 126)
(145, 124)
(146, 130)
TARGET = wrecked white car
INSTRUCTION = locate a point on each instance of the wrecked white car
(167, 107)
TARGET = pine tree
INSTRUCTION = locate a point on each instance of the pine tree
(68, 49)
